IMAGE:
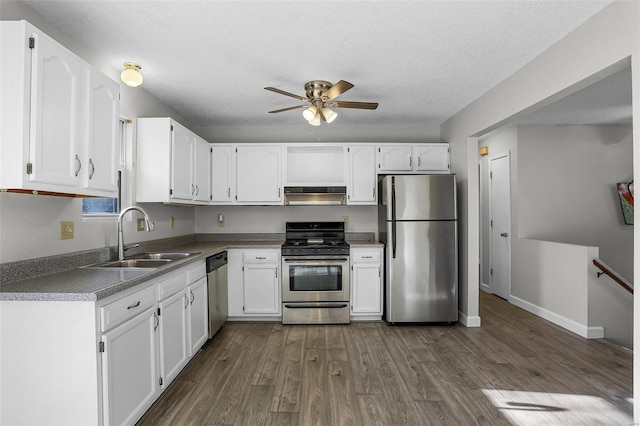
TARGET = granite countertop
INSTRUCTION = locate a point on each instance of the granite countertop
(89, 284)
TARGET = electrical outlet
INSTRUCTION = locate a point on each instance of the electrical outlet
(140, 224)
(220, 221)
(66, 230)
(172, 222)
(345, 219)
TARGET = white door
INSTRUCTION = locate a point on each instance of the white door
(56, 81)
(365, 288)
(198, 315)
(500, 199)
(181, 167)
(221, 174)
(393, 158)
(362, 179)
(173, 336)
(102, 132)
(431, 157)
(258, 174)
(201, 172)
(261, 288)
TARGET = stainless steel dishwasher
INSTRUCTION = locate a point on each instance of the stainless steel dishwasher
(217, 288)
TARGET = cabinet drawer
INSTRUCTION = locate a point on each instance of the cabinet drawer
(260, 256)
(172, 284)
(365, 256)
(196, 271)
(129, 306)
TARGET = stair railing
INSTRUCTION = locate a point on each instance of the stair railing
(606, 270)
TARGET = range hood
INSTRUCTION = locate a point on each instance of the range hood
(315, 195)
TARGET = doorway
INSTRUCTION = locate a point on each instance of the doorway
(500, 225)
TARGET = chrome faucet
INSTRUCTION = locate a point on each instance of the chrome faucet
(148, 226)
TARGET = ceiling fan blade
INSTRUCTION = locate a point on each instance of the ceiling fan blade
(358, 105)
(282, 92)
(287, 109)
(336, 90)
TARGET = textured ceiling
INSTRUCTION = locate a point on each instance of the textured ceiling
(422, 61)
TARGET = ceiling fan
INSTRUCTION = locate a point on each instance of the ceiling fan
(320, 95)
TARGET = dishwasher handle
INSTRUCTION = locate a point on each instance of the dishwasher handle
(216, 261)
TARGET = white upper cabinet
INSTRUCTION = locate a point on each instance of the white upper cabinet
(413, 158)
(172, 163)
(222, 183)
(56, 111)
(315, 165)
(102, 132)
(258, 174)
(361, 188)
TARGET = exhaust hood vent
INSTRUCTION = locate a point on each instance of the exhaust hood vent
(315, 195)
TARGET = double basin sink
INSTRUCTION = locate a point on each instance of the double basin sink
(144, 260)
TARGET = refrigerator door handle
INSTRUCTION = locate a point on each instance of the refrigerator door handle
(393, 216)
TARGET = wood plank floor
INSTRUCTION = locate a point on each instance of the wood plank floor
(515, 369)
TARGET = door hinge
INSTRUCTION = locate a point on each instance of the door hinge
(491, 272)
(172, 127)
(29, 168)
(171, 192)
(242, 268)
(490, 175)
(492, 223)
(32, 43)
(158, 311)
(348, 149)
(211, 150)
(243, 309)
(160, 381)
(101, 347)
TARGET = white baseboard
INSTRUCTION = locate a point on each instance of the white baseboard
(564, 322)
(472, 321)
(485, 287)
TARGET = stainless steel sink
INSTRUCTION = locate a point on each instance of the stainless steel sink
(134, 263)
(163, 256)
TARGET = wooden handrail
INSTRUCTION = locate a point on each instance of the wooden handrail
(617, 278)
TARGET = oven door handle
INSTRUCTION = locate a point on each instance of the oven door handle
(316, 305)
(290, 260)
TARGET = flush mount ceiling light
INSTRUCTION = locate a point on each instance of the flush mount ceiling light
(320, 95)
(131, 75)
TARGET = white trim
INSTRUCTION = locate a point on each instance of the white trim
(564, 322)
(485, 287)
(472, 321)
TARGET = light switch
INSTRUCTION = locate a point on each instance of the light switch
(220, 221)
(345, 219)
(140, 224)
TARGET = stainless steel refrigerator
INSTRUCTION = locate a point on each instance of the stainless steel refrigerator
(418, 223)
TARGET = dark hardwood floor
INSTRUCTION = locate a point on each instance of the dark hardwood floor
(515, 369)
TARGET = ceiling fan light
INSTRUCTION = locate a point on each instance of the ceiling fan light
(310, 113)
(315, 121)
(329, 114)
(131, 75)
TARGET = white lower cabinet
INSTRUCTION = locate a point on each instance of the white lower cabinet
(198, 315)
(366, 283)
(130, 369)
(105, 362)
(254, 283)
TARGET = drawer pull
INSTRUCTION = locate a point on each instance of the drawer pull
(367, 257)
(135, 305)
(261, 258)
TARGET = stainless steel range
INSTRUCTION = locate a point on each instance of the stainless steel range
(315, 274)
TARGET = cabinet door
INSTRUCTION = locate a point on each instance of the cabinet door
(362, 177)
(198, 315)
(201, 175)
(56, 102)
(431, 157)
(221, 175)
(173, 336)
(261, 288)
(258, 174)
(182, 143)
(366, 288)
(393, 158)
(130, 377)
(102, 133)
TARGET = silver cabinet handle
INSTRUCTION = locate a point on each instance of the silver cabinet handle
(193, 189)
(504, 234)
(418, 161)
(260, 258)
(197, 190)
(410, 161)
(157, 321)
(79, 163)
(193, 297)
(276, 272)
(93, 169)
(373, 194)
(186, 300)
(135, 305)
(229, 192)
